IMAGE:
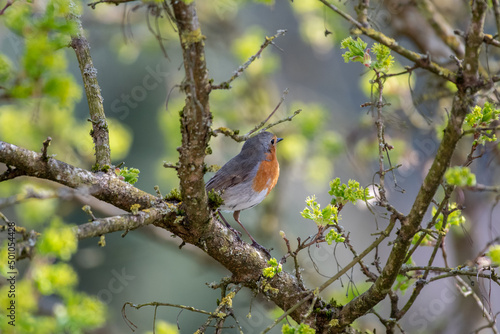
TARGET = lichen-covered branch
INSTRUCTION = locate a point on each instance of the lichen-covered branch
(104, 186)
(127, 222)
(196, 118)
(100, 132)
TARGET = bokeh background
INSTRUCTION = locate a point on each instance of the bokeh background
(332, 137)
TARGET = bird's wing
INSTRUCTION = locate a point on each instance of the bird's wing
(235, 171)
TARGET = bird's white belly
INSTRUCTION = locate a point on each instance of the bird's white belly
(241, 198)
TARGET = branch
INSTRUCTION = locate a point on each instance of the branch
(421, 60)
(100, 133)
(104, 186)
(127, 222)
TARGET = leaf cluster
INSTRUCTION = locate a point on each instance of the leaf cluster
(482, 117)
(273, 269)
(357, 52)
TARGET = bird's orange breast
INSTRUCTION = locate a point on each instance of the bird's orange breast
(267, 174)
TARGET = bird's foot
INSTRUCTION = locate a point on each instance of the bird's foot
(255, 244)
(237, 233)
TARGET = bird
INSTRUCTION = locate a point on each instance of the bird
(245, 180)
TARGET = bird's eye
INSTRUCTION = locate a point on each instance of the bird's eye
(272, 141)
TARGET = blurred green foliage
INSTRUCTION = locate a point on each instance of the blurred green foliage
(494, 254)
(460, 176)
(49, 275)
(299, 329)
(163, 327)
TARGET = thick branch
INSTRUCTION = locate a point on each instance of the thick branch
(100, 133)
(196, 118)
(242, 259)
(104, 186)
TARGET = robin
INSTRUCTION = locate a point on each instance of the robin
(245, 180)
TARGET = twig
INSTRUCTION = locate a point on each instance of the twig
(488, 39)
(351, 264)
(27, 194)
(285, 92)
(239, 138)
(380, 137)
(7, 5)
(239, 71)
(384, 234)
(46, 144)
(480, 129)
(100, 132)
(171, 165)
(220, 312)
(132, 326)
(154, 10)
(482, 187)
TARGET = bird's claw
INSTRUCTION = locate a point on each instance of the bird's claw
(255, 244)
(237, 233)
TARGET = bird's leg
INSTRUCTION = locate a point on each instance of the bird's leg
(236, 233)
(236, 216)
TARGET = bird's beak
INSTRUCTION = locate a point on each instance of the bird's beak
(278, 140)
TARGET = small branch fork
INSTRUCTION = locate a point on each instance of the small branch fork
(240, 138)
(221, 313)
(242, 68)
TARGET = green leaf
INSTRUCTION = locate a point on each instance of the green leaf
(273, 269)
(357, 52)
(128, 175)
(333, 236)
(327, 216)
